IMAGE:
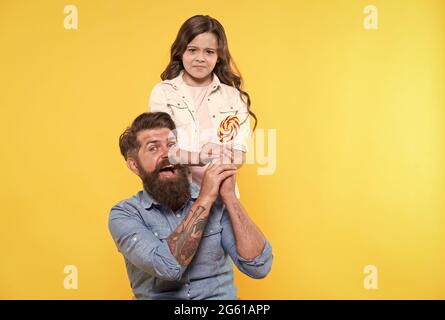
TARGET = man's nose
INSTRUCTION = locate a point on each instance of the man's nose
(164, 152)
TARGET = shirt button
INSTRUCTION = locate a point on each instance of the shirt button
(156, 234)
(208, 99)
(213, 116)
(186, 284)
(188, 294)
(178, 215)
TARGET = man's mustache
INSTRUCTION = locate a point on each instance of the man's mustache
(164, 163)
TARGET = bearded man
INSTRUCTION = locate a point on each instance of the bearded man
(177, 239)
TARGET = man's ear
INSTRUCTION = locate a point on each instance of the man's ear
(132, 165)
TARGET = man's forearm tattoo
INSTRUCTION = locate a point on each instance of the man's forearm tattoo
(184, 241)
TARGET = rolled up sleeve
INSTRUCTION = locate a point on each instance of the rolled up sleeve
(141, 247)
(241, 141)
(256, 268)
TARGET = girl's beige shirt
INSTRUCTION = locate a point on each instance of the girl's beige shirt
(173, 97)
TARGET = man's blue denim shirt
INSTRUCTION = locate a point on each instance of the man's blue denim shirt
(140, 228)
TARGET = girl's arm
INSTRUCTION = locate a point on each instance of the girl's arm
(208, 153)
(158, 101)
(241, 141)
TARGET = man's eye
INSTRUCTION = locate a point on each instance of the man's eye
(171, 145)
(152, 149)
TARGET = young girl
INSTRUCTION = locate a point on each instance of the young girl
(201, 90)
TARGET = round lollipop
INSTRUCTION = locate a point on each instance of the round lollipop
(228, 129)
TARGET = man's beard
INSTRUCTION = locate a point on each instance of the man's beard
(171, 193)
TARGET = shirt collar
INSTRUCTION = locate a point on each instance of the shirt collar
(179, 81)
(147, 201)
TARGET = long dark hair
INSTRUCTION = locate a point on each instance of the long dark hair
(225, 69)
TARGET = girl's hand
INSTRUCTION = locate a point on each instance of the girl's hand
(232, 156)
(212, 151)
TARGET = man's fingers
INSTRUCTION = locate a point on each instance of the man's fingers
(224, 175)
(215, 169)
(215, 162)
(223, 167)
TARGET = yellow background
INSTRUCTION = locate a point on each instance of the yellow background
(360, 127)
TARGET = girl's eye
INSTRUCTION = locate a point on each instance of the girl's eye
(210, 52)
(191, 50)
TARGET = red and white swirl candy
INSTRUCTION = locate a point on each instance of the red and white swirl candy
(228, 129)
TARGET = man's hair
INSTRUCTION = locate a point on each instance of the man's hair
(128, 142)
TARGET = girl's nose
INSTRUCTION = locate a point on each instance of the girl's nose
(200, 58)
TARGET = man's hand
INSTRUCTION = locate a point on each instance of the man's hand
(227, 189)
(213, 177)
